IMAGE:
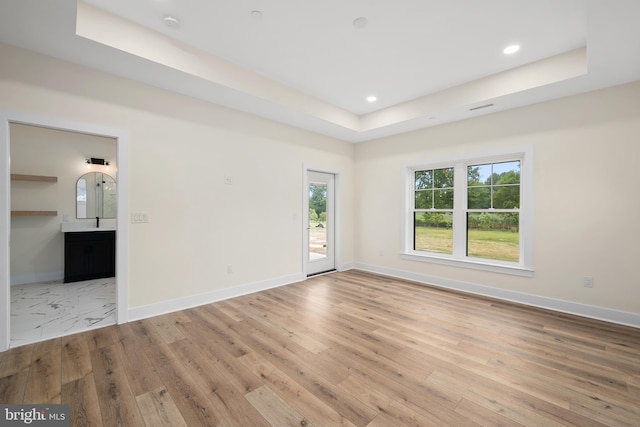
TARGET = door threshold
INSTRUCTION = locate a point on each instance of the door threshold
(322, 272)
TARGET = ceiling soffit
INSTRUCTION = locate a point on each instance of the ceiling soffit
(102, 27)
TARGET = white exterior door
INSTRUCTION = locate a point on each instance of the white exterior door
(320, 223)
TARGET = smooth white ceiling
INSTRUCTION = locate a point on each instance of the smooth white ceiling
(303, 63)
(408, 49)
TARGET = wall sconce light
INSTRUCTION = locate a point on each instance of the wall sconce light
(96, 161)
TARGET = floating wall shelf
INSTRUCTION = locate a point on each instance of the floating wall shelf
(33, 178)
(34, 213)
(36, 178)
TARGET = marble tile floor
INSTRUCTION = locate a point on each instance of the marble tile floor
(41, 311)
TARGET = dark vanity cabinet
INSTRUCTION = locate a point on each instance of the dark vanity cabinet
(89, 255)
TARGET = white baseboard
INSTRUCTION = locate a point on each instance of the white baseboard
(584, 310)
(164, 307)
(24, 279)
(346, 266)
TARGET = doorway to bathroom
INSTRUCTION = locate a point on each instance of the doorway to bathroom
(57, 194)
(48, 159)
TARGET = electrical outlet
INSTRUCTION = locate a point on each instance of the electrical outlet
(588, 281)
(229, 269)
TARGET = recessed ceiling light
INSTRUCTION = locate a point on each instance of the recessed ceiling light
(510, 50)
(256, 14)
(360, 23)
(171, 21)
(372, 98)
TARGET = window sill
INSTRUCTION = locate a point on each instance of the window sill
(516, 270)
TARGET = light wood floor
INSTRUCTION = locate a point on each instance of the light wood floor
(351, 349)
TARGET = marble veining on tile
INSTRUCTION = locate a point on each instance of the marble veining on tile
(41, 311)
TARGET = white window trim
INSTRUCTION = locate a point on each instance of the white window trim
(458, 259)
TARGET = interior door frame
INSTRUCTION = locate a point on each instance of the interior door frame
(337, 241)
(122, 224)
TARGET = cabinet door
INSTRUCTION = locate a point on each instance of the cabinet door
(102, 259)
(76, 257)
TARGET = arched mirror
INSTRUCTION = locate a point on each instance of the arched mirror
(96, 196)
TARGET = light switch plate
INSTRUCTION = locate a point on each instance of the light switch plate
(139, 217)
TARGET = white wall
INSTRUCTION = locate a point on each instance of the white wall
(586, 182)
(180, 149)
(36, 242)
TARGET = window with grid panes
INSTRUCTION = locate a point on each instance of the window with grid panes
(470, 211)
(433, 210)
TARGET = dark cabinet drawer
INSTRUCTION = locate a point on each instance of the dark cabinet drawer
(89, 255)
